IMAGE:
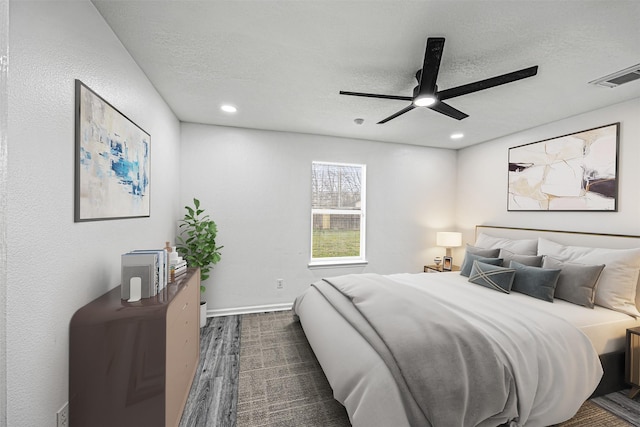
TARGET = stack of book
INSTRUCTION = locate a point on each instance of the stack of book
(177, 265)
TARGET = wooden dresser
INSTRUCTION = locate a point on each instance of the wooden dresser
(132, 364)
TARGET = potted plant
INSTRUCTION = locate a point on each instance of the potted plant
(196, 243)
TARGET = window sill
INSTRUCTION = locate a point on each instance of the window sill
(336, 263)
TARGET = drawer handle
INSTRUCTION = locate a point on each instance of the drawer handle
(185, 305)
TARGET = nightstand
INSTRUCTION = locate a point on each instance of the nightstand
(632, 364)
(438, 268)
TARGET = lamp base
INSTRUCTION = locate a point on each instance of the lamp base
(448, 252)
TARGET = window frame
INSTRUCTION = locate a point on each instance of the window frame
(343, 260)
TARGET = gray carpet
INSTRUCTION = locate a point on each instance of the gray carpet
(282, 384)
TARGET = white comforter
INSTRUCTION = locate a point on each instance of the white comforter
(554, 364)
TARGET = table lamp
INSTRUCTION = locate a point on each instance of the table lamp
(448, 239)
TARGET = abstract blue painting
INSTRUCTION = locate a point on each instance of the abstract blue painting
(112, 161)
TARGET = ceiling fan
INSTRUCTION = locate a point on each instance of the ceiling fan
(426, 94)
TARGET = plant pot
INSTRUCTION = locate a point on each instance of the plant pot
(203, 314)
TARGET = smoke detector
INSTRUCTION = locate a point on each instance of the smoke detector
(618, 78)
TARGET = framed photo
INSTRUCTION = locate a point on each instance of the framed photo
(112, 161)
(447, 263)
(575, 172)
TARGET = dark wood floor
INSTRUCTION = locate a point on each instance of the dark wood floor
(214, 394)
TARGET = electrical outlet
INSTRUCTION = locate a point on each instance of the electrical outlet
(62, 416)
(279, 284)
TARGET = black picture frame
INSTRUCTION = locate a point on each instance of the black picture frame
(112, 161)
(568, 173)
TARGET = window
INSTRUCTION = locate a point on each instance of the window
(337, 213)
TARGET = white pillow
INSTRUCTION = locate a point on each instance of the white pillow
(520, 247)
(616, 288)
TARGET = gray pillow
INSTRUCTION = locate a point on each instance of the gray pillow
(536, 282)
(467, 264)
(577, 282)
(487, 253)
(508, 256)
(492, 276)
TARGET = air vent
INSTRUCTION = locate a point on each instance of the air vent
(618, 78)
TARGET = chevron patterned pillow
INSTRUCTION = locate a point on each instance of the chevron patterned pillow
(492, 276)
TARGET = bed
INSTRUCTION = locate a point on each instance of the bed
(437, 349)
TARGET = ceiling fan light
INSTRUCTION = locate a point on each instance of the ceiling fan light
(456, 135)
(424, 101)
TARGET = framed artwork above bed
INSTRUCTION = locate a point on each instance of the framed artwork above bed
(575, 172)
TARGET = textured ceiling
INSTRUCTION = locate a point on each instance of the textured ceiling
(282, 63)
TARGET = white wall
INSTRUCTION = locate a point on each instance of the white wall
(55, 266)
(482, 178)
(257, 187)
(4, 50)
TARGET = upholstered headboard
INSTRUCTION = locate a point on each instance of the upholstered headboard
(572, 238)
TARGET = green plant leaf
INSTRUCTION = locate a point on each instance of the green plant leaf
(196, 241)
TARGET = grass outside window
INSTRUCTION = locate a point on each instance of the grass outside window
(336, 243)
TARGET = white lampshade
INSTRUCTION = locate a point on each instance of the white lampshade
(448, 239)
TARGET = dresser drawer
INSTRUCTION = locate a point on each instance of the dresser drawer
(182, 360)
(182, 306)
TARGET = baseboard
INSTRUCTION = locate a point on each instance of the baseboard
(248, 310)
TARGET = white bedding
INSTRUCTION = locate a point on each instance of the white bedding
(364, 385)
(605, 328)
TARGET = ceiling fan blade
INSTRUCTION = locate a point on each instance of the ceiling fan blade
(488, 83)
(448, 110)
(399, 113)
(431, 65)
(373, 95)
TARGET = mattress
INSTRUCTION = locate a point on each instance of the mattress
(362, 382)
(606, 329)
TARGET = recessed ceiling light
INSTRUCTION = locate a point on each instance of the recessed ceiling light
(456, 135)
(229, 108)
